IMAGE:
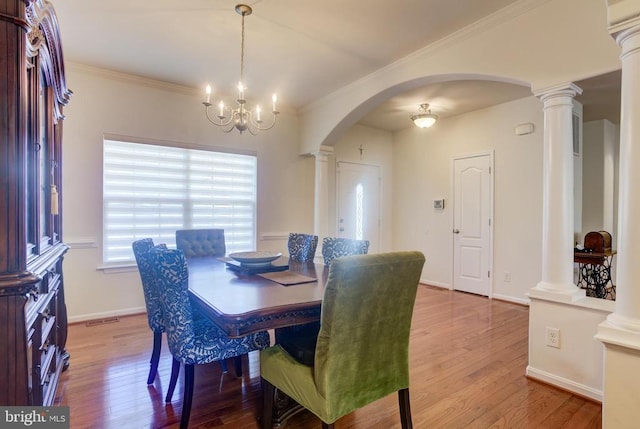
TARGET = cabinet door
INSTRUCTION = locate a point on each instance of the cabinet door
(42, 166)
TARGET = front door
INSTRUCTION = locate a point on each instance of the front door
(472, 224)
(358, 204)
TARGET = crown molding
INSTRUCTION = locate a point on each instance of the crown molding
(488, 22)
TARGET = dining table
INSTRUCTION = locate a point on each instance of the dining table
(242, 300)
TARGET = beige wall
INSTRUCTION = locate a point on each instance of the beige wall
(377, 149)
(108, 103)
(422, 172)
(533, 43)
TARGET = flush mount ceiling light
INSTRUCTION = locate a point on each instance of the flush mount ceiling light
(424, 118)
(241, 118)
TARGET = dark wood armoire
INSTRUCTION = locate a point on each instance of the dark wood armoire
(33, 91)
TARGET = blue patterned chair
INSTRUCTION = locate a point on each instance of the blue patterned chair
(201, 242)
(362, 352)
(196, 243)
(302, 247)
(152, 302)
(333, 247)
(191, 342)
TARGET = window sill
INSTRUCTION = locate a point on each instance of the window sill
(116, 269)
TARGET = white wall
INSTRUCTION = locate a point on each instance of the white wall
(577, 365)
(599, 176)
(422, 172)
(111, 103)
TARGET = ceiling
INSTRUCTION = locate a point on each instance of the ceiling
(302, 50)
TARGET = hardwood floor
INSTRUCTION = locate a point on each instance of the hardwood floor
(468, 359)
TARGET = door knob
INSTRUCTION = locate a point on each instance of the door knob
(456, 231)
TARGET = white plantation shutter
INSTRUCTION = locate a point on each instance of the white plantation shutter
(151, 191)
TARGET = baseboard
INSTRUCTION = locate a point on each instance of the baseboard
(437, 284)
(106, 314)
(565, 384)
(511, 299)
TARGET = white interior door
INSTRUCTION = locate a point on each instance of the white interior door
(472, 224)
(358, 203)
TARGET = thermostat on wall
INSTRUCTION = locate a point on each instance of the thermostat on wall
(524, 129)
(438, 204)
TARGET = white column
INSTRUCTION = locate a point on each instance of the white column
(557, 215)
(627, 312)
(620, 333)
(321, 196)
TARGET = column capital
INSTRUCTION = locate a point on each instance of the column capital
(566, 89)
(323, 152)
(629, 39)
(622, 15)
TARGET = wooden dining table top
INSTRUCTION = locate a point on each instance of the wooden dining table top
(241, 303)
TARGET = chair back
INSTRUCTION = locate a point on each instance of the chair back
(151, 299)
(201, 242)
(302, 247)
(333, 247)
(171, 274)
(362, 352)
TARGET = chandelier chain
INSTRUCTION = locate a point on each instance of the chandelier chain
(242, 52)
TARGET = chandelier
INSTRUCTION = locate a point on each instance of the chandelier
(241, 117)
(424, 118)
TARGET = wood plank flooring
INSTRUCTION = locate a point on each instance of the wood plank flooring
(468, 360)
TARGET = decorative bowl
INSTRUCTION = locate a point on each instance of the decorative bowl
(255, 259)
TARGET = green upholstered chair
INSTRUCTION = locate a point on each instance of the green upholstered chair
(300, 340)
(362, 350)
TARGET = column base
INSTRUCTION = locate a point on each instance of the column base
(621, 375)
(557, 292)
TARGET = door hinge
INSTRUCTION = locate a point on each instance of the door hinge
(489, 274)
(489, 170)
(489, 221)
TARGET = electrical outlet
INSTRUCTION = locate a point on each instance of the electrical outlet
(553, 337)
(507, 276)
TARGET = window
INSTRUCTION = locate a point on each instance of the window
(152, 190)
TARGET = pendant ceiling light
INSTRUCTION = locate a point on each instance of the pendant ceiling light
(242, 118)
(424, 118)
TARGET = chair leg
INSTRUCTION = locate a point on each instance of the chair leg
(188, 396)
(155, 357)
(238, 364)
(175, 371)
(268, 390)
(405, 408)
